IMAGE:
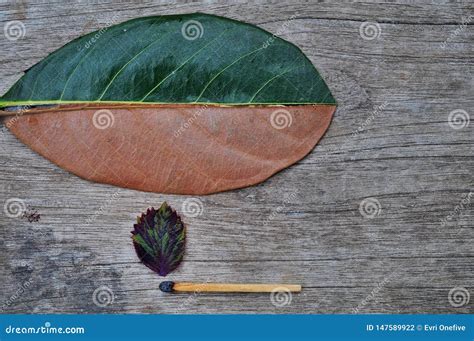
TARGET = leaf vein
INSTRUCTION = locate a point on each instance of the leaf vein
(75, 69)
(269, 81)
(179, 67)
(228, 66)
(128, 63)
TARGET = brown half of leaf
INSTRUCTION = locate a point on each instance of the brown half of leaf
(180, 149)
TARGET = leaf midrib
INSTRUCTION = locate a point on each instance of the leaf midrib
(6, 104)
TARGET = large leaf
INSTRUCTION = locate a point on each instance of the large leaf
(190, 104)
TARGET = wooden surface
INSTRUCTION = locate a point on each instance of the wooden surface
(303, 225)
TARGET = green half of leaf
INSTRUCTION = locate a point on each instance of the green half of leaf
(192, 58)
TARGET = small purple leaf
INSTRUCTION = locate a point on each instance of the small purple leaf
(159, 239)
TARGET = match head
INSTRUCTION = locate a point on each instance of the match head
(166, 286)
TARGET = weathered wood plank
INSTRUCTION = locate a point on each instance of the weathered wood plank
(390, 140)
(133, 285)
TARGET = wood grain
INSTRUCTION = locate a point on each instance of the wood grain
(389, 140)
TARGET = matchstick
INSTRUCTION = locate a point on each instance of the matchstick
(169, 286)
